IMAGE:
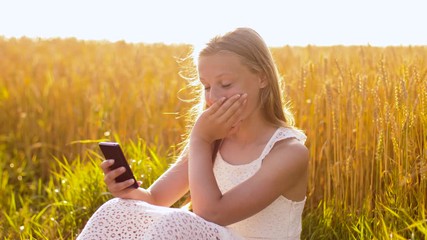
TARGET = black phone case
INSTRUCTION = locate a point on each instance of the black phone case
(112, 150)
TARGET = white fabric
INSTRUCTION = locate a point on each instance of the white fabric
(132, 219)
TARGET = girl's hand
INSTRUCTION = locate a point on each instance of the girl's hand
(117, 189)
(216, 121)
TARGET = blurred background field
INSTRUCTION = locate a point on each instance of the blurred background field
(363, 108)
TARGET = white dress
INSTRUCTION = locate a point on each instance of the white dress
(132, 219)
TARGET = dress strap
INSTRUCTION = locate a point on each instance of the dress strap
(280, 134)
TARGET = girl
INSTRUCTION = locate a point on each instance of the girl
(245, 164)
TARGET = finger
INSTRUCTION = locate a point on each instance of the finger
(215, 106)
(113, 174)
(226, 105)
(106, 164)
(120, 186)
(139, 183)
(122, 192)
(233, 116)
(234, 119)
(234, 110)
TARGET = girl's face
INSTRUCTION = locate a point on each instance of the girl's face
(224, 75)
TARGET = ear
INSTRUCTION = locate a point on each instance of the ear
(262, 81)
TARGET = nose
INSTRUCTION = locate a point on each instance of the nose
(212, 96)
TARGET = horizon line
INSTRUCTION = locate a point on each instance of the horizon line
(171, 43)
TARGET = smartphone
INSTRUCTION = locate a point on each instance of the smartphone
(112, 150)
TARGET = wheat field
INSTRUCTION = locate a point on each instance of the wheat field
(363, 108)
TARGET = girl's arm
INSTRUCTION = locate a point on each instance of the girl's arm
(172, 185)
(284, 168)
(165, 191)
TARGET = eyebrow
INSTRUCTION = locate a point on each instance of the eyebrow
(219, 75)
(224, 73)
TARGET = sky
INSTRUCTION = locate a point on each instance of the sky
(280, 22)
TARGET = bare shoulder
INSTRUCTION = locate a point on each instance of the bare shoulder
(290, 153)
(286, 169)
(291, 146)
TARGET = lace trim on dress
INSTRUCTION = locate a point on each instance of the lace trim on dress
(281, 134)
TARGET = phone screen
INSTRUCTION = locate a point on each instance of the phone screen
(112, 150)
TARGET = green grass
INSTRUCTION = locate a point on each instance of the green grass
(58, 208)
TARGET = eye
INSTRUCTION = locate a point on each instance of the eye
(226, 85)
(207, 88)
